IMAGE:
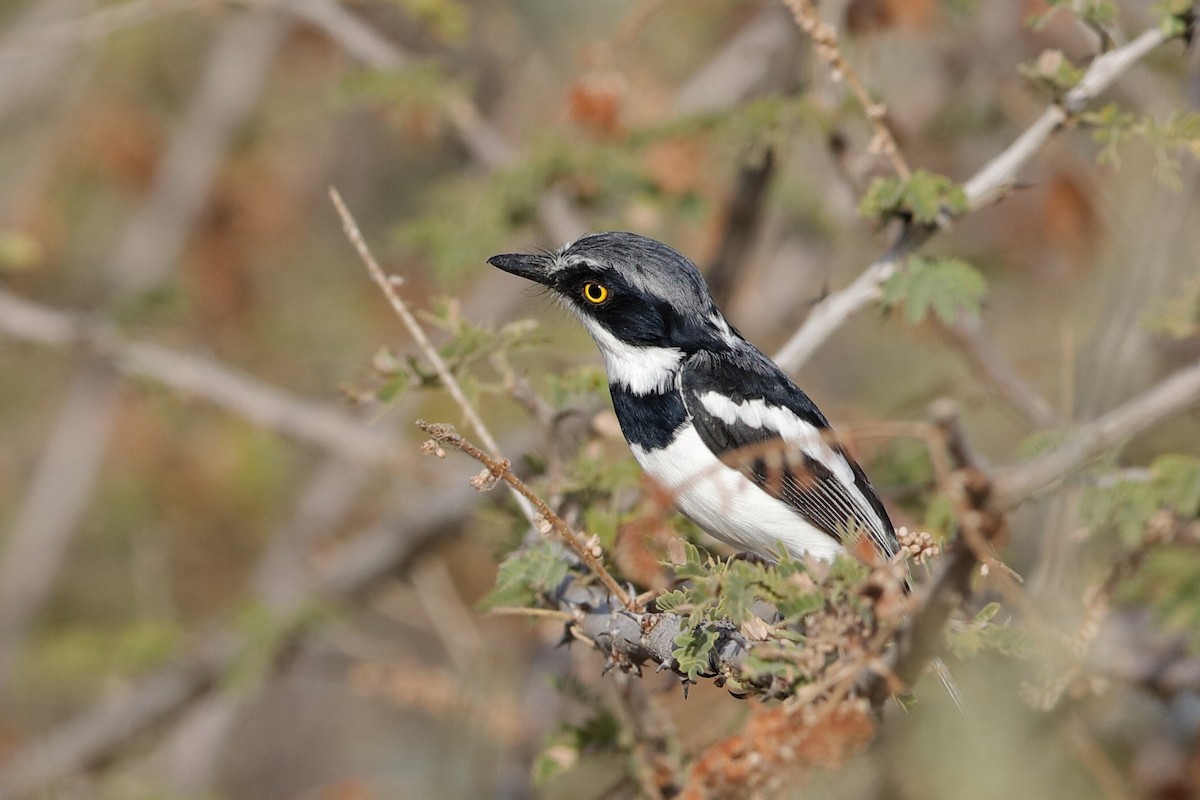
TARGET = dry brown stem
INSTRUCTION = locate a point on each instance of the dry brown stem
(500, 469)
(388, 286)
(825, 39)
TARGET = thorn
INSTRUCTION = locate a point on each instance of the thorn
(567, 637)
(686, 685)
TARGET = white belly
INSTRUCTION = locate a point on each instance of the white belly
(727, 504)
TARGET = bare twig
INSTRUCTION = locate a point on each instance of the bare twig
(96, 24)
(998, 176)
(989, 184)
(325, 426)
(1173, 395)
(825, 39)
(388, 286)
(833, 311)
(95, 735)
(968, 333)
(499, 469)
(149, 250)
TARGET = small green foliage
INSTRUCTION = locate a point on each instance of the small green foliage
(1178, 316)
(749, 127)
(903, 463)
(474, 214)
(924, 197)
(1099, 14)
(946, 286)
(1176, 17)
(593, 477)
(983, 634)
(564, 389)
(447, 20)
(693, 650)
(414, 92)
(602, 523)
(527, 574)
(1053, 70)
(561, 751)
(939, 516)
(1126, 506)
(720, 597)
(264, 634)
(1169, 581)
(19, 252)
(1180, 132)
(468, 345)
(697, 563)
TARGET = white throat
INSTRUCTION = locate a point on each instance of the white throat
(641, 370)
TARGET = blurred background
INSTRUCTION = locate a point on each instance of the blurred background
(226, 571)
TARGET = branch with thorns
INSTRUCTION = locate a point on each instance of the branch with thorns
(825, 39)
(545, 519)
(990, 184)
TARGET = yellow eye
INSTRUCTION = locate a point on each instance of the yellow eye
(595, 293)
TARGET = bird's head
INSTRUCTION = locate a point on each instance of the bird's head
(630, 292)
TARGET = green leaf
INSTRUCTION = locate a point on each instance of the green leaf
(1175, 16)
(693, 651)
(946, 286)
(1054, 70)
(1176, 482)
(447, 20)
(19, 252)
(526, 574)
(925, 196)
(562, 750)
(981, 634)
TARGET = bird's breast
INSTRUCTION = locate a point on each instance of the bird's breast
(648, 420)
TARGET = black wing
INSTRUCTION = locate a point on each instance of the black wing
(755, 419)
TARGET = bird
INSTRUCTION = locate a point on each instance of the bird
(742, 451)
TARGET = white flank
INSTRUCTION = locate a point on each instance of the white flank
(641, 370)
(796, 432)
(727, 504)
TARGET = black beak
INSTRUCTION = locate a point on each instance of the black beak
(531, 267)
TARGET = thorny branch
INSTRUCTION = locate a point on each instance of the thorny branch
(388, 286)
(631, 637)
(499, 469)
(825, 39)
(988, 185)
(96, 734)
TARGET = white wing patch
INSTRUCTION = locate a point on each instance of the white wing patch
(808, 438)
(795, 431)
(727, 504)
(641, 370)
